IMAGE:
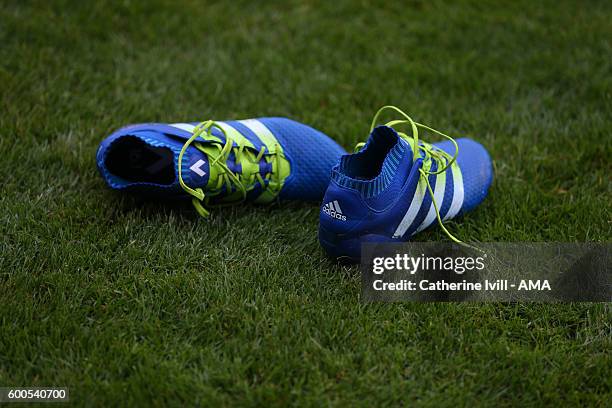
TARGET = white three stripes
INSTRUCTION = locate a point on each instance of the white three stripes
(439, 196)
(439, 190)
(254, 125)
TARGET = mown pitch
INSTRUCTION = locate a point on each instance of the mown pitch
(129, 301)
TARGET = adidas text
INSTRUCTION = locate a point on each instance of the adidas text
(333, 210)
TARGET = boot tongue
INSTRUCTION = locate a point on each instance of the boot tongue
(195, 168)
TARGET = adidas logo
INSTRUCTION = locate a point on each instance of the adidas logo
(333, 210)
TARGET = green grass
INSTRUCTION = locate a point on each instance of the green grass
(128, 302)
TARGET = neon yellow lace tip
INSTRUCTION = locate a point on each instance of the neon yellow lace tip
(427, 152)
(200, 208)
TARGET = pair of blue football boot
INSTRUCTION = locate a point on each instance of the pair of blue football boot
(394, 186)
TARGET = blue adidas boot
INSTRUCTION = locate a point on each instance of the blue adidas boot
(396, 186)
(220, 163)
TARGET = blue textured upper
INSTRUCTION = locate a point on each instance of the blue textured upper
(377, 194)
(311, 155)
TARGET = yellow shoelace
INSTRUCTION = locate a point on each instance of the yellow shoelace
(422, 150)
(237, 185)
